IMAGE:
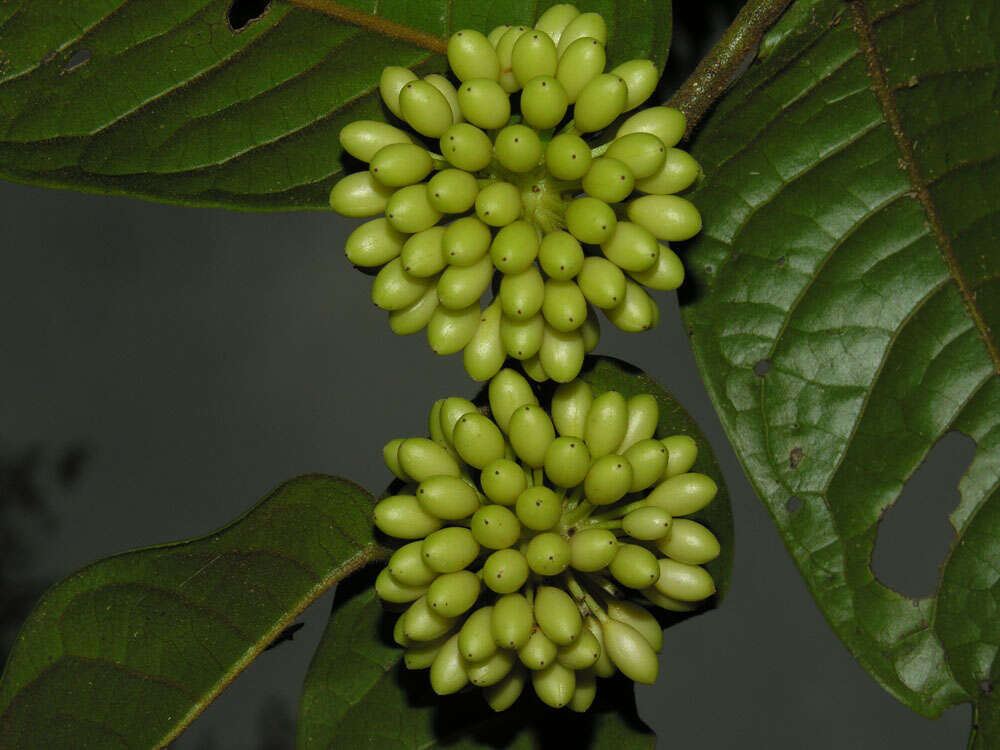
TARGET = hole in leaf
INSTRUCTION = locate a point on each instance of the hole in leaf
(244, 12)
(762, 367)
(793, 504)
(914, 535)
(77, 59)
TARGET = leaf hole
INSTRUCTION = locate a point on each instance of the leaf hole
(242, 13)
(762, 367)
(914, 534)
(793, 504)
(77, 60)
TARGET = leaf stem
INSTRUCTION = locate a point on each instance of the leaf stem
(723, 63)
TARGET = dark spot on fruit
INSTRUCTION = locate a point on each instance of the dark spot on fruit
(572, 156)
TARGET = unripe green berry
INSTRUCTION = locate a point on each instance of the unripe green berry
(533, 55)
(416, 316)
(683, 494)
(570, 406)
(643, 416)
(448, 669)
(451, 410)
(401, 164)
(555, 19)
(448, 91)
(522, 294)
(554, 685)
(408, 567)
(505, 53)
(475, 639)
(557, 615)
(495, 527)
(391, 84)
(603, 667)
(498, 204)
(641, 77)
(564, 306)
(582, 653)
(497, 33)
(666, 602)
(467, 147)
(421, 655)
(391, 590)
(682, 451)
(518, 148)
(581, 63)
(492, 670)
(362, 139)
(561, 354)
(607, 421)
(639, 618)
(592, 549)
(390, 455)
(647, 524)
(665, 275)
(637, 312)
(689, 542)
(668, 217)
(608, 180)
(530, 431)
(421, 459)
(686, 583)
(560, 255)
(567, 461)
(449, 550)
(503, 481)
(453, 191)
(678, 171)
(484, 355)
(448, 498)
(602, 282)
(548, 554)
(508, 391)
(568, 157)
(584, 25)
(634, 566)
(478, 440)
(461, 286)
(590, 331)
(608, 479)
(665, 123)
(644, 153)
(600, 102)
(410, 210)
(421, 623)
(538, 652)
(471, 55)
(534, 370)
(522, 338)
(503, 694)
(649, 459)
(423, 255)
(590, 220)
(449, 331)
(394, 288)
(505, 571)
(425, 109)
(484, 103)
(374, 243)
(538, 508)
(544, 102)
(515, 247)
(631, 247)
(359, 195)
(403, 517)
(584, 692)
(466, 241)
(513, 621)
(452, 594)
(630, 652)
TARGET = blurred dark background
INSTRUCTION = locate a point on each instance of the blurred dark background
(165, 367)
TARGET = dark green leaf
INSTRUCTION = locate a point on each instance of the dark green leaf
(358, 695)
(165, 101)
(128, 651)
(845, 307)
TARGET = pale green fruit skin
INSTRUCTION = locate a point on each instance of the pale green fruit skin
(359, 196)
(505, 571)
(374, 243)
(683, 494)
(584, 25)
(641, 77)
(668, 217)
(530, 431)
(503, 481)
(445, 88)
(394, 289)
(522, 338)
(538, 508)
(449, 331)
(497, 33)
(391, 84)
(449, 550)
(538, 652)
(639, 618)
(448, 669)
(548, 553)
(608, 479)
(403, 517)
(643, 416)
(666, 602)
(503, 695)
(498, 204)
(414, 318)
(475, 639)
(635, 567)
(484, 103)
(452, 191)
(512, 621)
(582, 653)
(561, 354)
(568, 157)
(422, 254)
(682, 451)
(533, 55)
(425, 109)
(560, 255)
(600, 102)
(686, 583)
(522, 294)
(631, 247)
(581, 62)
(554, 685)
(461, 286)
(607, 421)
(448, 498)
(689, 542)
(421, 458)
(637, 312)
(557, 615)
(492, 670)
(534, 370)
(452, 594)
(649, 460)
(544, 102)
(484, 355)
(466, 147)
(509, 391)
(390, 455)
(452, 409)
(564, 306)
(505, 52)
(434, 424)
(466, 241)
(590, 220)
(585, 691)
(603, 667)
(362, 139)
(590, 331)
(567, 461)
(401, 164)
(518, 148)
(643, 153)
(495, 527)
(515, 247)
(478, 440)
(608, 180)
(602, 282)
(630, 652)
(420, 623)
(678, 172)
(410, 210)
(570, 406)
(391, 590)
(592, 549)
(665, 123)
(665, 275)
(408, 567)
(421, 655)
(647, 524)
(556, 18)
(471, 55)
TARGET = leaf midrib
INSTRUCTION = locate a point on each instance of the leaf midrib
(884, 94)
(381, 26)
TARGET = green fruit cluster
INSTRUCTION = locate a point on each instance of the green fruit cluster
(538, 539)
(488, 184)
